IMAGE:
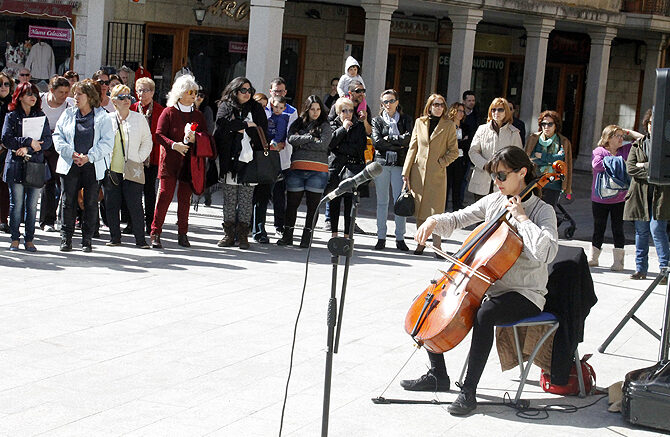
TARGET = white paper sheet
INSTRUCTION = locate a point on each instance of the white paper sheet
(33, 127)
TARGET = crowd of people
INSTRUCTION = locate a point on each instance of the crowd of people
(98, 130)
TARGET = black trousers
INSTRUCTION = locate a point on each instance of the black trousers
(76, 178)
(334, 206)
(117, 189)
(600, 213)
(262, 194)
(49, 203)
(150, 175)
(279, 201)
(455, 179)
(507, 308)
(294, 198)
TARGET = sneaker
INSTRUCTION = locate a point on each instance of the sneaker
(428, 382)
(381, 244)
(326, 227)
(401, 245)
(113, 243)
(143, 245)
(49, 228)
(260, 238)
(4, 227)
(358, 230)
(464, 403)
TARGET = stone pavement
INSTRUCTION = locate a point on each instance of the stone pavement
(179, 342)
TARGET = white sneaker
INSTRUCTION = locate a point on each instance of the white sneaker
(49, 228)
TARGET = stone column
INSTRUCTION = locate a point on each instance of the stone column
(594, 97)
(462, 50)
(376, 47)
(537, 39)
(93, 43)
(266, 21)
(653, 60)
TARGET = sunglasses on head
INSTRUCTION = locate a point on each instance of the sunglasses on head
(501, 175)
(547, 124)
(360, 90)
(498, 110)
(245, 90)
(103, 82)
(124, 97)
(389, 101)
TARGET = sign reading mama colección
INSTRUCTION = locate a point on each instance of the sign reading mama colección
(44, 32)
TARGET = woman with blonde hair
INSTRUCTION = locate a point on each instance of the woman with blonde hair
(611, 152)
(433, 146)
(132, 142)
(175, 158)
(497, 133)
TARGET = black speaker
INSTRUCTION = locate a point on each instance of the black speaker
(659, 155)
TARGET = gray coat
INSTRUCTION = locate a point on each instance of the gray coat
(637, 199)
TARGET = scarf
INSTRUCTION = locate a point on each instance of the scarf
(552, 145)
(148, 112)
(392, 123)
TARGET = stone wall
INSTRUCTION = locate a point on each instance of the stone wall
(623, 86)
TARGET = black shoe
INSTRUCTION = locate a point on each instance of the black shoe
(182, 240)
(381, 244)
(306, 238)
(113, 243)
(263, 239)
(86, 248)
(128, 230)
(464, 403)
(96, 234)
(286, 238)
(428, 382)
(156, 241)
(142, 245)
(4, 227)
(65, 244)
(638, 275)
(400, 245)
(357, 230)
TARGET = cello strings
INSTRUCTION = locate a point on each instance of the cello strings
(456, 261)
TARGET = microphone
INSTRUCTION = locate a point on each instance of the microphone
(371, 171)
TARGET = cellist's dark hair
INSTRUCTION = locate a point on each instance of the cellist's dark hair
(514, 158)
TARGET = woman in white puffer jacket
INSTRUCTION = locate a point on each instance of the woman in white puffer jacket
(496, 134)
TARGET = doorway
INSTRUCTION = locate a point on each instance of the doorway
(162, 52)
(405, 73)
(564, 93)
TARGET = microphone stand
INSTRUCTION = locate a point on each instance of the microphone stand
(338, 246)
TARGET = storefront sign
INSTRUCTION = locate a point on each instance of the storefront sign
(56, 33)
(414, 29)
(237, 47)
(478, 63)
(238, 11)
(55, 9)
(573, 48)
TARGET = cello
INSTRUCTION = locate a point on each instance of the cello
(442, 315)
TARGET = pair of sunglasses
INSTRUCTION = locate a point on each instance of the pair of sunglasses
(124, 97)
(103, 82)
(245, 90)
(389, 102)
(501, 175)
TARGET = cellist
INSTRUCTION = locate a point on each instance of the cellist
(520, 292)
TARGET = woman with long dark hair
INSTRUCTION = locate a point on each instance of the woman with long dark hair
(391, 132)
(520, 292)
(6, 91)
(310, 136)
(238, 114)
(26, 103)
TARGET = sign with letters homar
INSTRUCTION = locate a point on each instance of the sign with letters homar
(56, 33)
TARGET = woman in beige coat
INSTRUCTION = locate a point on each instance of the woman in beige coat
(433, 147)
(496, 134)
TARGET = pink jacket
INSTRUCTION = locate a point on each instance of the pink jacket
(597, 163)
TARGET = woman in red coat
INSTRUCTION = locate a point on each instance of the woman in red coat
(152, 110)
(175, 156)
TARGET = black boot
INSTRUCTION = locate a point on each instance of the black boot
(65, 244)
(182, 240)
(306, 238)
(431, 381)
(464, 403)
(381, 244)
(287, 237)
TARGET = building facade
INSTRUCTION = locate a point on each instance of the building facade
(593, 61)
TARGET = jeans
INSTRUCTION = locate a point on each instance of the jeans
(20, 195)
(76, 178)
(114, 195)
(600, 213)
(657, 230)
(391, 175)
(500, 310)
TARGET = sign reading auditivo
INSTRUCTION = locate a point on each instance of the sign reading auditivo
(57, 33)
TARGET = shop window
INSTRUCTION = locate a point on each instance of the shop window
(125, 44)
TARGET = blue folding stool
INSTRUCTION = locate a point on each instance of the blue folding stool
(543, 318)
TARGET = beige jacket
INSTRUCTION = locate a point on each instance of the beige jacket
(485, 143)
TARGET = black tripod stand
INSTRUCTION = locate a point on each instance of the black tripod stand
(338, 246)
(631, 315)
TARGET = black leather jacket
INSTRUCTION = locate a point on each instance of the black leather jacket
(382, 142)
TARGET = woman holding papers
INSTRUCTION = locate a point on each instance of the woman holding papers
(25, 142)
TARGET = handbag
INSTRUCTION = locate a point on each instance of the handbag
(132, 171)
(606, 187)
(34, 174)
(572, 387)
(404, 204)
(265, 167)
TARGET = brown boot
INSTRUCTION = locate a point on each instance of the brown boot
(243, 235)
(228, 239)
